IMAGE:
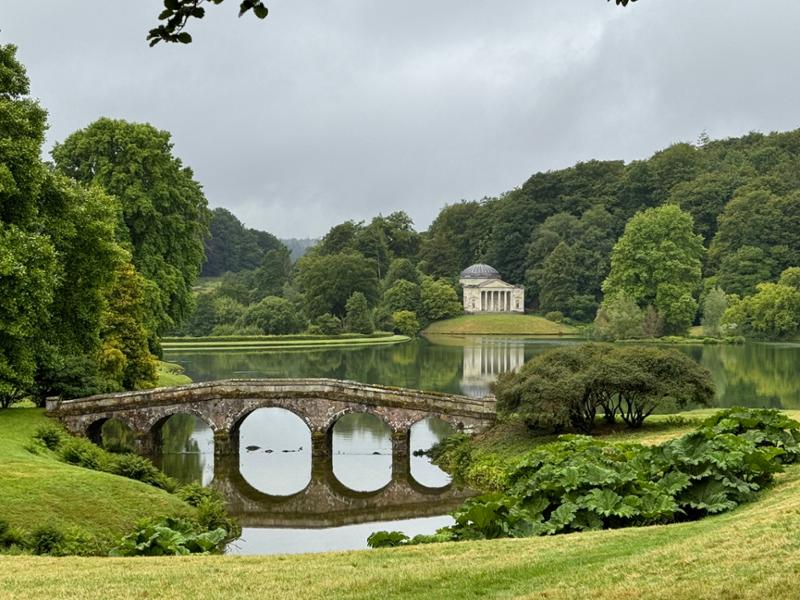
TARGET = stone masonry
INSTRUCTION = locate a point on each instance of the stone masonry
(225, 404)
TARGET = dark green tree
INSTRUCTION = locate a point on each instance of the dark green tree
(327, 282)
(273, 316)
(358, 318)
(164, 219)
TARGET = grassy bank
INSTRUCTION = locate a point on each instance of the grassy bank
(170, 374)
(752, 552)
(500, 324)
(266, 342)
(38, 490)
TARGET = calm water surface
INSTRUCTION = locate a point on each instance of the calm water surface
(288, 502)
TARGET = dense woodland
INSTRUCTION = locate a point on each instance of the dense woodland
(698, 233)
(101, 252)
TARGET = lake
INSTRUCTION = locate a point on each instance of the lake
(288, 502)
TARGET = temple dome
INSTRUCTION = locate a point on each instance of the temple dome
(480, 271)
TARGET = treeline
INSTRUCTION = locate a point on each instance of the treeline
(98, 250)
(695, 234)
(358, 278)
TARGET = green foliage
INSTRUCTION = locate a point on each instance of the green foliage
(578, 483)
(164, 219)
(619, 318)
(177, 13)
(328, 324)
(405, 323)
(328, 281)
(141, 469)
(273, 315)
(657, 262)
(51, 435)
(402, 295)
(438, 300)
(400, 269)
(46, 539)
(358, 318)
(565, 387)
(232, 247)
(170, 537)
(714, 307)
(555, 316)
(773, 312)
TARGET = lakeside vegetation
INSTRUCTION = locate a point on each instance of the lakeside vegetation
(500, 324)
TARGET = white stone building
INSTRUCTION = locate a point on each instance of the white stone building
(486, 292)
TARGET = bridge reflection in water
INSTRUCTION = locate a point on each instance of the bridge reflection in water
(276, 488)
(485, 358)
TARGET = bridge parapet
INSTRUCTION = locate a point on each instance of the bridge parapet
(225, 404)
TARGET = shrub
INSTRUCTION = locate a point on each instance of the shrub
(141, 469)
(555, 315)
(83, 453)
(565, 387)
(273, 316)
(46, 540)
(578, 483)
(50, 435)
(170, 536)
(405, 323)
(211, 513)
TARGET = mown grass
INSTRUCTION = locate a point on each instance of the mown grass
(170, 374)
(207, 344)
(38, 489)
(751, 552)
(500, 324)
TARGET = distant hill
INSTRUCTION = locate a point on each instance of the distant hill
(298, 247)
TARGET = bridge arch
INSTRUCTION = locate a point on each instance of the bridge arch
(234, 422)
(94, 428)
(154, 424)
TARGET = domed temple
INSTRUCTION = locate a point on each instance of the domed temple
(486, 292)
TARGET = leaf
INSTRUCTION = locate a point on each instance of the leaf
(184, 38)
(602, 501)
(261, 11)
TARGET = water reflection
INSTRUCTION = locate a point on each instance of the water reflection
(187, 449)
(753, 374)
(275, 451)
(424, 435)
(362, 452)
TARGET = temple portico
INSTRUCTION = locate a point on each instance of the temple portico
(486, 292)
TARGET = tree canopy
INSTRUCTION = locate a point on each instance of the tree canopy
(164, 218)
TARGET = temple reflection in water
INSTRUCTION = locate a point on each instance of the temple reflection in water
(485, 358)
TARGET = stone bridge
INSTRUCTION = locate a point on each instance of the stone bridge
(224, 405)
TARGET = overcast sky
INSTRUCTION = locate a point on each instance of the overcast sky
(342, 109)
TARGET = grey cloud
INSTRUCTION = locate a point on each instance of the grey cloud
(339, 109)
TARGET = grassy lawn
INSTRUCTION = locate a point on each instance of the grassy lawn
(38, 490)
(752, 552)
(170, 374)
(217, 344)
(500, 324)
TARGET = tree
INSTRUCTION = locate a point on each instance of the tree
(28, 260)
(619, 318)
(358, 319)
(273, 316)
(273, 274)
(557, 285)
(125, 356)
(164, 219)
(233, 247)
(405, 322)
(400, 268)
(714, 307)
(742, 270)
(438, 301)
(327, 282)
(403, 295)
(773, 312)
(566, 387)
(176, 15)
(657, 262)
